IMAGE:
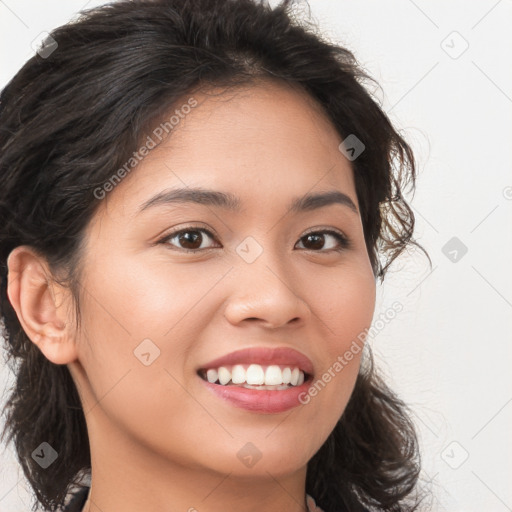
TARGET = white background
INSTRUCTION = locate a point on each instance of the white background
(448, 353)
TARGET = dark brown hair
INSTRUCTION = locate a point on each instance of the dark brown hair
(72, 116)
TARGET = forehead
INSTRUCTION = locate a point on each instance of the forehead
(265, 140)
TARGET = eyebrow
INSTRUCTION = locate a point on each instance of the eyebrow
(228, 201)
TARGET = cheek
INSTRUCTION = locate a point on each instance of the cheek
(135, 314)
(345, 310)
(150, 299)
(137, 336)
(346, 304)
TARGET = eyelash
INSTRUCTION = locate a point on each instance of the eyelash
(343, 241)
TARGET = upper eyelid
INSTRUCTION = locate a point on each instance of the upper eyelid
(212, 232)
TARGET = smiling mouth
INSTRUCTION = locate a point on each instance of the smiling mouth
(255, 376)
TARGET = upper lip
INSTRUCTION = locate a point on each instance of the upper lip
(264, 356)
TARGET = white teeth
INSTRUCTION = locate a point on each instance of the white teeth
(273, 376)
(238, 374)
(295, 377)
(224, 375)
(256, 376)
(212, 375)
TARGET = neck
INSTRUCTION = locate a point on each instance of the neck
(204, 495)
(127, 476)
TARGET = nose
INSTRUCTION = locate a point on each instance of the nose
(267, 293)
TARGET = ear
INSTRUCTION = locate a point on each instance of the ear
(40, 304)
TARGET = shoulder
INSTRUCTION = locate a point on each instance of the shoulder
(77, 501)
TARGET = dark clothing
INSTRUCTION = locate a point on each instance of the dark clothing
(78, 501)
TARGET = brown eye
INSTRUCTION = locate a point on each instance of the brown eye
(189, 239)
(316, 241)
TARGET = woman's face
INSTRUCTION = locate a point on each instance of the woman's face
(153, 314)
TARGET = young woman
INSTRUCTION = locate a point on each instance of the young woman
(198, 197)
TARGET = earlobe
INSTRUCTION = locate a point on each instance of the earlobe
(40, 305)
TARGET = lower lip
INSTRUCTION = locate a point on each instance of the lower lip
(262, 401)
